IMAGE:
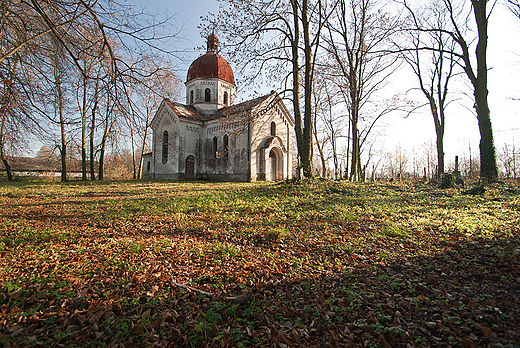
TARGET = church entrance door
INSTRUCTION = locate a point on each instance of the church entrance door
(274, 165)
(190, 167)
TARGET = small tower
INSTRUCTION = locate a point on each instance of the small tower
(210, 84)
(212, 44)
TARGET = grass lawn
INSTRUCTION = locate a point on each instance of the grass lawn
(144, 264)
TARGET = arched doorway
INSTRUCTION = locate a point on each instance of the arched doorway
(190, 167)
(273, 165)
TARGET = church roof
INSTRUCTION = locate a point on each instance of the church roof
(238, 108)
(187, 111)
(211, 64)
(190, 112)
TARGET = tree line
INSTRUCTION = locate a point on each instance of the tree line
(82, 76)
(335, 57)
(87, 76)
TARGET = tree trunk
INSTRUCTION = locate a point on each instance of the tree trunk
(84, 131)
(334, 152)
(140, 169)
(133, 153)
(307, 117)
(7, 169)
(103, 143)
(346, 176)
(2, 150)
(438, 120)
(440, 154)
(354, 170)
(83, 159)
(92, 133)
(6, 98)
(63, 148)
(101, 159)
(303, 131)
(320, 151)
(488, 165)
(106, 134)
(296, 85)
(3, 156)
(92, 130)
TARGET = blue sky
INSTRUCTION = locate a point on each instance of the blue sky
(188, 16)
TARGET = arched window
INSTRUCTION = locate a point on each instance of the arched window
(165, 147)
(191, 96)
(207, 95)
(225, 146)
(225, 98)
(273, 129)
(214, 147)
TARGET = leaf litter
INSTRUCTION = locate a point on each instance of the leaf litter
(316, 264)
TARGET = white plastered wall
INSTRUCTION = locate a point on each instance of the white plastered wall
(166, 122)
(217, 87)
(262, 142)
(232, 165)
(189, 144)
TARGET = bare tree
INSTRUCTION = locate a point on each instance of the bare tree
(479, 79)
(514, 6)
(6, 114)
(94, 108)
(396, 163)
(92, 58)
(109, 123)
(59, 75)
(434, 68)
(509, 159)
(320, 143)
(356, 36)
(50, 103)
(329, 120)
(460, 14)
(15, 118)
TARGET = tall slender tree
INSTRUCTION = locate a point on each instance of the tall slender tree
(357, 35)
(464, 31)
(434, 68)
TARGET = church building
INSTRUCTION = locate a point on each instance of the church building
(210, 137)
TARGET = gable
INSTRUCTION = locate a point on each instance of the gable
(164, 114)
(274, 106)
(282, 110)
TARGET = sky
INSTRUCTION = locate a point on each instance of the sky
(412, 132)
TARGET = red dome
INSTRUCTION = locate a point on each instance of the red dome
(211, 64)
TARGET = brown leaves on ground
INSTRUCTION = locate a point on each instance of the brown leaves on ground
(320, 264)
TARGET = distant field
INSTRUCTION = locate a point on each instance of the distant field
(258, 264)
